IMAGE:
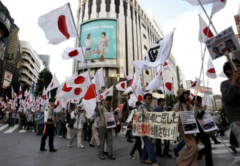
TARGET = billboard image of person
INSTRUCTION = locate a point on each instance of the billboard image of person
(100, 39)
(88, 43)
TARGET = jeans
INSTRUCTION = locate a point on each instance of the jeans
(59, 128)
(179, 146)
(148, 150)
(40, 129)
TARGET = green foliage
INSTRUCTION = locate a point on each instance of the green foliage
(222, 110)
(44, 79)
(171, 100)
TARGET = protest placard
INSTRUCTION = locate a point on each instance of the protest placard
(129, 119)
(207, 123)
(222, 44)
(109, 119)
(160, 125)
(189, 122)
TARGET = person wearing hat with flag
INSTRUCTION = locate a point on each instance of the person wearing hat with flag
(190, 154)
(48, 130)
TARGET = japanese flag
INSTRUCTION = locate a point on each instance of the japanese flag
(166, 65)
(133, 82)
(53, 84)
(74, 53)
(126, 77)
(108, 92)
(89, 100)
(26, 93)
(121, 86)
(211, 72)
(19, 96)
(156, 82)
(217, 6)
(82, 80)
(168, 87)
(98, 81)
(204, 31)
(58, 24)
(195, 84)
(191, 96)
(203, 2)
(13, 94)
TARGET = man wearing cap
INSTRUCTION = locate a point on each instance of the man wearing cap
(48, 130)
(190, 154)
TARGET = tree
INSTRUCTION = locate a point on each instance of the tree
(171, 100)
(44, 79)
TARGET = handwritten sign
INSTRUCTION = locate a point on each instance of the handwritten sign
(160, 125)
(222, 44)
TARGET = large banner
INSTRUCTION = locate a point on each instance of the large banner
(160, 125)
(100, 39)
(222, 44)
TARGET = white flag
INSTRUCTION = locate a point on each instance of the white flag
(203, 2)
(58, 24)
(204, 32)
(157, 54)
(217, 6)
(53, 84)
(195, 84)
(133, 82)
(81, 80)
(74, 53)
(108, 92)
(156, 82)
(211, 72)
(121, 86)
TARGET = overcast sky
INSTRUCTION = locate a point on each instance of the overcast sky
(170, 13)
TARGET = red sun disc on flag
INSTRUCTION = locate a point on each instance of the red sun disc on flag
(73, 53)
(207, 32)
(140, 98)
(91, 92)
(58, 103)
(194, 84)
(65, 88)
(79, 80)
(62, 26)
(168, 85)
(131, 82)
(77, 91)
(123, 85)
(51, 84)
(212, 70)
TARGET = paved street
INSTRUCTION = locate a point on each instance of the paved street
(19, 148)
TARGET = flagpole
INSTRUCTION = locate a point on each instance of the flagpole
(210, 21)
(203, 55)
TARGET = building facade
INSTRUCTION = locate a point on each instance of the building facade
(116, 32)
(10, 50)
(45, 60)
(31, 65)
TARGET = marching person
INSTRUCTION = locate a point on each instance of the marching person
(95, 136)
(190, 154)
(77, 128)
(138, 142)
(148, 150)
(230, 90)
(161, 108)
(49, 121)
(199, 111)
(104, 132)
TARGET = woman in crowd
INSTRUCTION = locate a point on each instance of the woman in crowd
(190, 154)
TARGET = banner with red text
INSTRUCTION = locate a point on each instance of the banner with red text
(159, 125)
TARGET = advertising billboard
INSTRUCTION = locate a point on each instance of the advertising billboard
(100, 39)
